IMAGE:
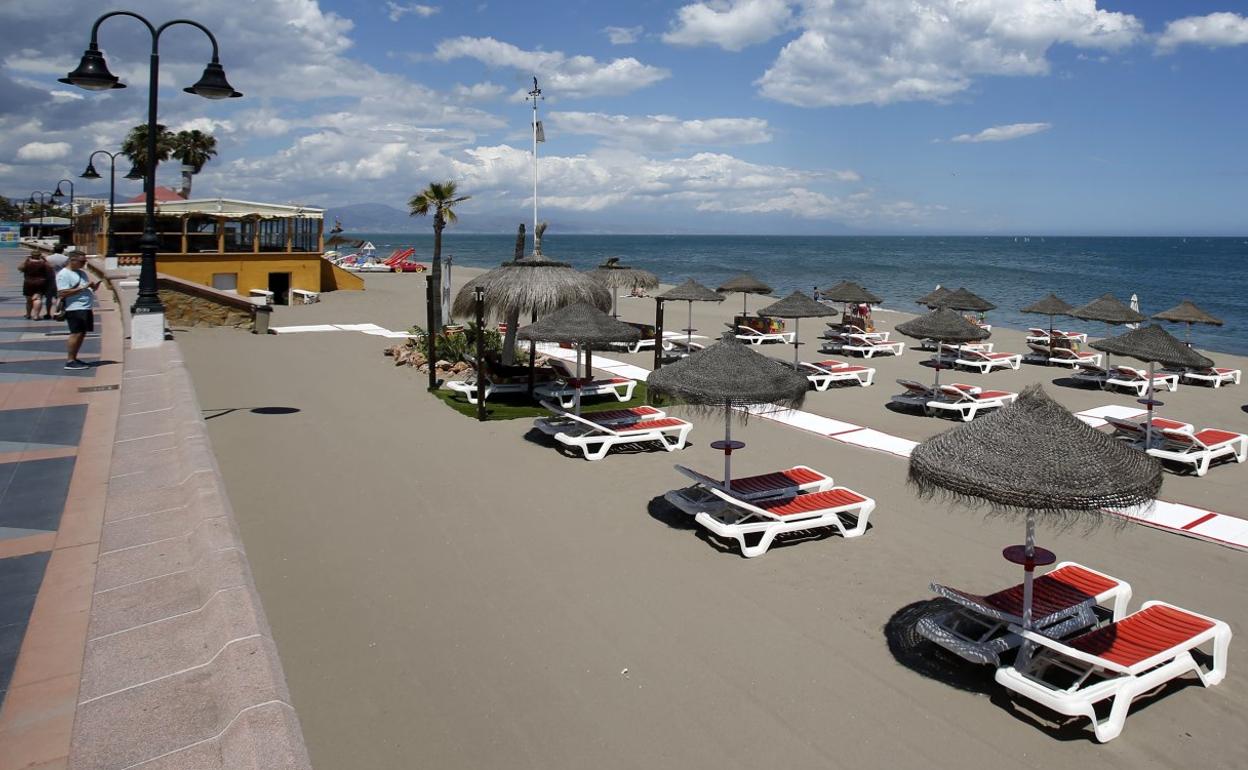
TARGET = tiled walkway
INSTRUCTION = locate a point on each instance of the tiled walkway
(56, 436)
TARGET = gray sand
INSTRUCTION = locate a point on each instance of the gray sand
(450, 594)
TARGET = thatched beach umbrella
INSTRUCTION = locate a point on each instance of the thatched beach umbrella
(1051, 306)
(746, 284)
(616, 276)
(932, 298)
(534, 285)
(964, 299)
(585, 326)
(1153, 345)
(1034, 457)
(725, 375)
(942, 325)
(1108, 310)
(1186, 312)
(690, 291)
(849, 293)
(797, 306)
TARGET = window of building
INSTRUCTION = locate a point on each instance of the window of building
(225, 281)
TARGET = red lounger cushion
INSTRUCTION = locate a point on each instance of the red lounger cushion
(666, 422)
(1053, 591)
(1142, 635)
(815, 501)
(1211, 436)
(1162, 422)
(636, 412)
(997, 356)
(992, 394)
(765, 482)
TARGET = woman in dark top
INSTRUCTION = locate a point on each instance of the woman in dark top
(38, 277)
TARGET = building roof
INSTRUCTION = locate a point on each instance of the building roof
(162, 194)
(222, 207)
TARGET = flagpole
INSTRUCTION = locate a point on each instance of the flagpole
(535, 94)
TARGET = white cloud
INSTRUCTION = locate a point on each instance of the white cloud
(478, 92)
(733, 24)
(847, 175)
(623, 35)
(1004, 133)
(42, 152)
(884, 51)
(399, 10)
(662, 131)
(566, 76)
(1214, 31)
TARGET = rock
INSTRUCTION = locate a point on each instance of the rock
(460, 367)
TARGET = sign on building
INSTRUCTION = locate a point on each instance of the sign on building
(10, 235)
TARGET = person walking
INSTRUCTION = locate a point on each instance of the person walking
(76, 288)
(37, 282)
(57, 259)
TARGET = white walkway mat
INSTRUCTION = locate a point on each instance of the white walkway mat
(297, 329)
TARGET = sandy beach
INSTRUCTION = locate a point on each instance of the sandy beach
(453, 594)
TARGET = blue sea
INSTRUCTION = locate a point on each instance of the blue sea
(1010, 272)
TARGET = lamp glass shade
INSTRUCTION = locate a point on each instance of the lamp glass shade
(92, 73)
(213, 85)
(135, 172)
(57, 194)
(90, 173)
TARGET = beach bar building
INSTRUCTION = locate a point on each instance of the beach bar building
(229, 245)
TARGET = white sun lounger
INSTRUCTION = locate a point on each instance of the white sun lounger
(792, 481)
(1041, 336)
(1215, 376)
(950, 398)
(1118, 663)
(842, 330)
(1090, 374)
(983, 362)
(1200, 449)
(1136, 380)
(762, 520)
(1066, 600)
(558, 421)
(823, 373)
(565, 391)
(856, 343)
(594, 440)
(982, 347)
(1133, 431)
(916, 394)
(755, 337)
(1061, 356)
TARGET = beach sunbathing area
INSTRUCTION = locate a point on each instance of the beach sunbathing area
(448, 593)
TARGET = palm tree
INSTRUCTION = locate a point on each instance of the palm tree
(135, 145)
(441, 198)
(194, 148)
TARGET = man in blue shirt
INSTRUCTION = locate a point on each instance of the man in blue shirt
(75, 288)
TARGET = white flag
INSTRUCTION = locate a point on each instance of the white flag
(541, 134)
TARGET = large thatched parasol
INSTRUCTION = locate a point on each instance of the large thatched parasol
(964, 299)
(932, 298)
(1051, 306)
(849, 293)
(690, 291)
(746, 284)
(1186, 312)
(1153, 345)
(1034, 457)
(581, 324)
(725, 375)
(1108, 310)
(942, 325)
(616, 276)
(797, 306)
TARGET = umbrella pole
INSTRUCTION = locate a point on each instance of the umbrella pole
(728, 446)
(689, 330)
(1029, 567)
(797, 339)
(615, 302)
(577, 396)
(1148, 426)
(1050, 339)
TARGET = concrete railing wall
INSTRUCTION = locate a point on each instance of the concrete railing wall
(180, 668)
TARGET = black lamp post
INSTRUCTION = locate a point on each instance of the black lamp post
(93, 75)
(91, 173)
(56, 197)
(42, 203)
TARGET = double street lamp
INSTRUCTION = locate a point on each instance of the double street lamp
(57, 195)
(91, 173)
(42, 210)
(93, 75)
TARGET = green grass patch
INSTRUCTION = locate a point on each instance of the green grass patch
(513, 406)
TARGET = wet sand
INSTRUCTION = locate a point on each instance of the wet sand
(452, 594)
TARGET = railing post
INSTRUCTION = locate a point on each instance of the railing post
(480, 296)
(431, 338)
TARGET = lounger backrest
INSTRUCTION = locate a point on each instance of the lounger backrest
(1089, 368)
(1038, 349)
(915, 388)
(1177, 439)
(1126, 427)
(954, 395)
(1038, 332)
(1129, 373)
(561, 368)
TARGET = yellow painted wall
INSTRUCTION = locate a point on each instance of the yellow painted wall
(253, 270)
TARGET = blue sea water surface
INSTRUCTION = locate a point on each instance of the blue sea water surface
(1010, 272)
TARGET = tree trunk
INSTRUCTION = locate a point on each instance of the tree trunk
(513, 319)
(435, 271)
(187, 173)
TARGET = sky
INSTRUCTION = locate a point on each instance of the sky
(1061, 117)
